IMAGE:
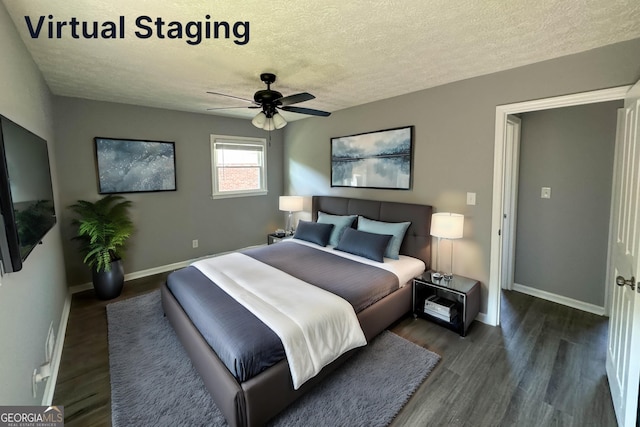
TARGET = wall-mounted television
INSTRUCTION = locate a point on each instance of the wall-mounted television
(27, 210)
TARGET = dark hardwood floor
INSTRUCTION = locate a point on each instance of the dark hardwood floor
(545, 366)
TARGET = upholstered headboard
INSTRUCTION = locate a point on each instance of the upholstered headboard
(417, 240)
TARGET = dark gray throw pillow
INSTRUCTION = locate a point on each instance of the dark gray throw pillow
(361, 243)
(314, 232)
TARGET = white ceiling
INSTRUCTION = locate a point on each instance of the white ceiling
(346, 53)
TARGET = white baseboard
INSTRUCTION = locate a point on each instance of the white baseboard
(157, 270)
(570, 302)
(80, 288)
(50, 386)
(482, 317)
(137, 275)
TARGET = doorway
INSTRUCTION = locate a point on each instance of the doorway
(502, 191)
(565, 181)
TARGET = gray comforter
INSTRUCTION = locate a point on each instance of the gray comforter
(245, 344)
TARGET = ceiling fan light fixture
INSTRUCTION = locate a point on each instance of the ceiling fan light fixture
(269, 125)
(259, 120)
(279, 121)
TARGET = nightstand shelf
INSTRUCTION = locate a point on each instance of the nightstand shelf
(453, 303)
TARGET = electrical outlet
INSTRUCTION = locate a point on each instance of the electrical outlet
(545, 193)
(194, 243)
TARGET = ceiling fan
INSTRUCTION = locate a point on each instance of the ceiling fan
(270, 101)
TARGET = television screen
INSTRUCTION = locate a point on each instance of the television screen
(26, 193)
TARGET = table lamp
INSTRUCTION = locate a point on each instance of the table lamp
(446, 225)
(290, 204)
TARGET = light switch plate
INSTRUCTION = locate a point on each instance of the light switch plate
(471, 198)
(545, 193)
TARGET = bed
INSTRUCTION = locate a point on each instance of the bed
(253, 400)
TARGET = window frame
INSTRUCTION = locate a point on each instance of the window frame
(239, 140)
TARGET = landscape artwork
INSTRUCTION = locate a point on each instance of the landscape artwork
(134, 166)
(379, 159)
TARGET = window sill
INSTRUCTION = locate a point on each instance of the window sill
(240, 194)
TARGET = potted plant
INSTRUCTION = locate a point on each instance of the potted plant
(103, 229)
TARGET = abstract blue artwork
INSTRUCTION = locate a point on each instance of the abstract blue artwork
(134, 166)
(380, 159)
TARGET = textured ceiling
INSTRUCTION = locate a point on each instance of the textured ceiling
(346, 53)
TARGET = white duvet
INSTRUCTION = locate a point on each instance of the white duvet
(315, 326)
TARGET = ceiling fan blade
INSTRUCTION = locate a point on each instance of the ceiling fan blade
(294, 99)
(308, 111)
(228, 108)
(231, 96)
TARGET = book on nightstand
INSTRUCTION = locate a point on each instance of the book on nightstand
(440, 308)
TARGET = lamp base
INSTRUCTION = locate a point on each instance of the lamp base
(289, 226)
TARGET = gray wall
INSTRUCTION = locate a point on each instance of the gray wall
(165, 222)
(34, 297)
(561, 243)
(454, 138)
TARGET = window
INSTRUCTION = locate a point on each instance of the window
(239, 166)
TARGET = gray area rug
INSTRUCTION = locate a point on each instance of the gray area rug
(153, 382)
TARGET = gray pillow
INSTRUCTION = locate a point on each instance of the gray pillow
(361, 243)
(340, 223)
(313, 232)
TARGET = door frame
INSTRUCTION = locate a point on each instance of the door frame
(499, 179)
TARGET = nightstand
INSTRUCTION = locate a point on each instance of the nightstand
(273, 238)
(451, 303)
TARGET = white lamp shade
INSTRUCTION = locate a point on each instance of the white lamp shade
(279, 121)
(447, 225)
(259, 120)
(291, 203)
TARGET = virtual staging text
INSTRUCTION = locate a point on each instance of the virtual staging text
(146, 27)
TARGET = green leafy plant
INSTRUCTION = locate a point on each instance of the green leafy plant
(103, 229)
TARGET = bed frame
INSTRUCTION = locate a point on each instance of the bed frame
(254, 402)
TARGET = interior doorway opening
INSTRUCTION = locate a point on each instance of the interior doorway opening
(502, 252)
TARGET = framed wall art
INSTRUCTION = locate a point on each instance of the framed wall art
(380, 159)
(134, 166)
